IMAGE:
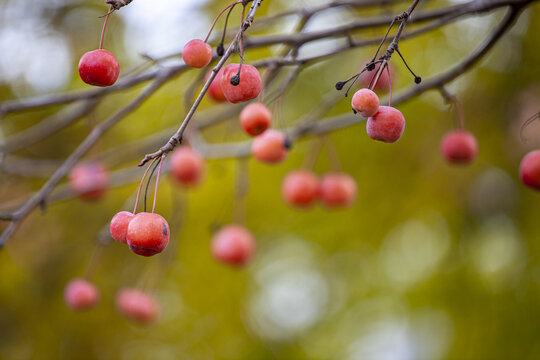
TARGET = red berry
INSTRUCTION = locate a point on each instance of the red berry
(197, 53)
(233, 244)
(119, 225)
(214, 91)
(99, 67)
(459, 147)
(300, 188)
(386, 125)
(529, 170)
(338, 189)
(187, 166)
(249, 87)
(269, 147)
(365, 102)
(255, 118)
(80, 294)
(383, 84)
(137, 305)
(147, 234)
(89, 180)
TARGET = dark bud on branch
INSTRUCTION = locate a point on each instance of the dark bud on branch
(340, 85)
(370, 66)
(220, 50)
(117, 4)
(417, 79)
(287, 144)
(235, 80)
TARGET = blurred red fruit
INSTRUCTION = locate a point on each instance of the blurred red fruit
(233, 244)
(300, 188)
(255, 118)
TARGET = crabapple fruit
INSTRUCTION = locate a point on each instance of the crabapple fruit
(365, 102)
(249, 86)
(338, 189)
(187, 166)
(99, 68)
(233, 244)
(147, 234)
(269, 147)
(383, 84)
(80, 294)
(197, 53)
(214, 91)
(255, 118)
(386, 125)
(459, 147)
(89, 180)
(137, 305)
(529, 170)
(300, 188)
(119, 225)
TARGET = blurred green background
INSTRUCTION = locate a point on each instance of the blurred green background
(432, 261)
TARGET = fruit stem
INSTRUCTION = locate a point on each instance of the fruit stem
(332, 154)
(104, 27)
(141, 184)
(312, 154)
(389, 86)
(148, 185)
(157, 183)
(241, 48)
(377, 76)
(217, 18)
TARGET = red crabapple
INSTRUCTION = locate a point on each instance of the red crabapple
(248, 88)
(386, 125)
(233, 244)
(338, 189)
(99, 68)
(187, 166)
(214, 91)
(529, 170)
(119, 225)
(300, 188)
(365, 102)
(269, 147)
(459, 147)
(255, 118)
(147, 234)
(80, 294)
(197, 53)
(383, 84)
(137, 305)
(89, 180)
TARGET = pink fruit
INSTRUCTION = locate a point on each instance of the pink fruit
(137, 305)
(529, 170)
(214, 91)
(99, 68)
(365, 102)
(119, 225)
(249, 86)
(187, 166)
(80, 294)
(269, 147)
(300, 188)
(386, 125)
(147, 234)
(89, 180)
(197, 53)
(233, 244)
(459, 147)
(255, 118)
(338, 189)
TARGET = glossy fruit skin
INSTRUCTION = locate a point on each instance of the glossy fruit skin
(387, 125)
(249, 87)
(89, 180)
(255, 118)
(269, 147)
(119, 225)
(99, 68)
(148, 234)
(365, 102)
(459, 147)
(529, 170)
(137, 305)
(300, 188)
(197, 53)
(233, 244)
(338, 190)
(214, 91)
(383, 85)
(80, 294)
(187, 166)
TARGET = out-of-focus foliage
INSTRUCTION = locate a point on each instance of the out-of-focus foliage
(431, 262)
